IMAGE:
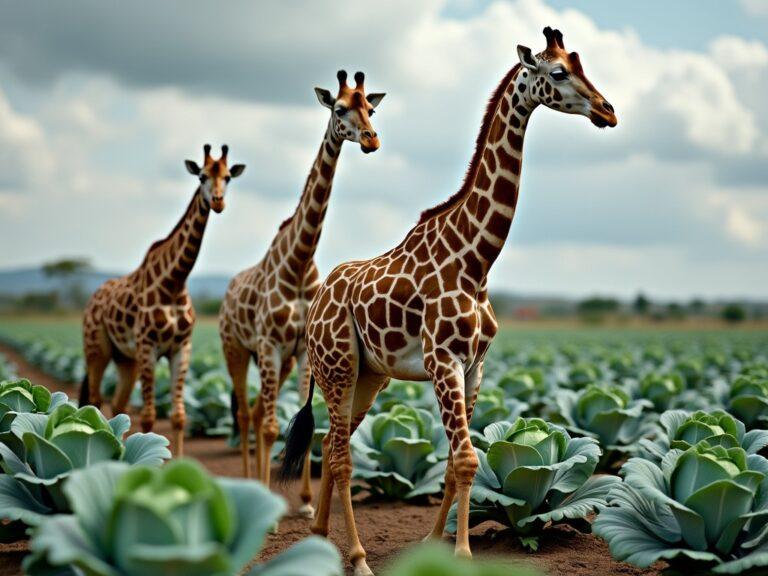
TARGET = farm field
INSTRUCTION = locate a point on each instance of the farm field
(609, 385)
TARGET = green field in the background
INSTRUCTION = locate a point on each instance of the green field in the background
(66, 331)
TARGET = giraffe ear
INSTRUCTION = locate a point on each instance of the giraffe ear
(236, 170)
(192, 167)
(375, 98)
(325, 97)
(527, 58)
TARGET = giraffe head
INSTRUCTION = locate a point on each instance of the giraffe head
(214, 176)
(351, 111)
(558, 82)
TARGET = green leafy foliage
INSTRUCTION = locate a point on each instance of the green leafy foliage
(681, 430)
(605, 413)
(400, 453)
(439, 560)
(177, 519)
(701, 509)
(41, 451)
(748, 400)
(532, 474)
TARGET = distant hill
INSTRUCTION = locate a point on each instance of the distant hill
(16, 282)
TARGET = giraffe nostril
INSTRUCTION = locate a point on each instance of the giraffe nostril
(607, 106)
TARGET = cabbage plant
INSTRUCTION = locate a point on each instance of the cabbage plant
(21, 397)
(582, 374)
(661, 389)
(748, 401)
(400, 454)
(533, 474)
(704, 509)
(524, 384)
(48, 448)
(206, 400)
(414, 394)
(173, 520)
(681, 430)
(436, 559)
(607, 414)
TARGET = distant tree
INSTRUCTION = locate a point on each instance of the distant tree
(734, 313)
(595, 309)
(641, 304)
(69, 271)
(675, 311)
(38, 302)
(208, 306)
(697, 306)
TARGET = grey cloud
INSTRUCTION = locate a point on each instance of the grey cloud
(266, 50)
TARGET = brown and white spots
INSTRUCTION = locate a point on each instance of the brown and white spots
(139, 318)
(263, 315)
(421, 310)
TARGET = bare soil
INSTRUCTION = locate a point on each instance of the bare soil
(385, 527)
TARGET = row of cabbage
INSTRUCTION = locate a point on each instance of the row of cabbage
(97, 502)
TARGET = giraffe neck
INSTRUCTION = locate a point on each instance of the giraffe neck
(170, 261)
(301, 232)
(483, 213)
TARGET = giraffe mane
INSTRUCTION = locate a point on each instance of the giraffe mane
(474, 164)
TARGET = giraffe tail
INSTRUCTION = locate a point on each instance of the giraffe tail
(85, 392)
(233, 408)
(298, 439)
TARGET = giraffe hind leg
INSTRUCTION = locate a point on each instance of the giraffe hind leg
(366, 390)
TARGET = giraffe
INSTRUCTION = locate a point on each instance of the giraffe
(137, 319)
(421, 310)
(264, 310)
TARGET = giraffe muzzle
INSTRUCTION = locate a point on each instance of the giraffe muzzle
(217, 205)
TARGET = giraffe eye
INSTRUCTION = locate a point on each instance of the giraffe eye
(227, 179)
(340, 111)
(371, 112)
(203, 177)
(558, 74)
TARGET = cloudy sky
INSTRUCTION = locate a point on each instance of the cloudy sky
(100, 103)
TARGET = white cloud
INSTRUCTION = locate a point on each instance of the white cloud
(755, 7)
(24, 155)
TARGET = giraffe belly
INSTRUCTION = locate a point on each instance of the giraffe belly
(406, 364)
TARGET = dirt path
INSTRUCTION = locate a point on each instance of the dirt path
(385, 527)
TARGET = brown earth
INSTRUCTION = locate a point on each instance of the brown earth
(385, 527)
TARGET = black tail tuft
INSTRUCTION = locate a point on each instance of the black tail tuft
(84, 398)
(298, 439)
(233, 408)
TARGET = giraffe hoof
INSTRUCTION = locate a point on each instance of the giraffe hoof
(362, 569)
(432, 537)
(463, 553)
(307, 511)
(319, 531)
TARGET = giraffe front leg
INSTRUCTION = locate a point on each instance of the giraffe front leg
(146, 357)
(448, 378)
(472, 387)
(306, 510)
(179, 368)
(265, 413)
